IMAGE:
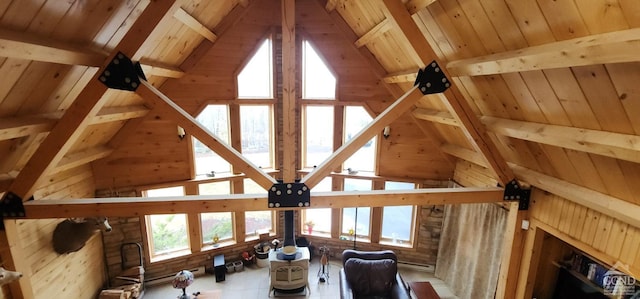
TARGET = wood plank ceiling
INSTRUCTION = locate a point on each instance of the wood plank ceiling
(550, 98)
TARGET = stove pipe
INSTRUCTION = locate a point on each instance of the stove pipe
(289, 246)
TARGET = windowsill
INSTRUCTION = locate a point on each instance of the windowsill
(210, 246)
(405, 244)
(350, 239)
(317, 234)
(169, 256)
(256, 237)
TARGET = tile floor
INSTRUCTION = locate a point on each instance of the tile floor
(253, 282)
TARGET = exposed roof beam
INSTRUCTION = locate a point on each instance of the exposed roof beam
(138, 206)
(395, 110)
(599, 202)
(442, 117)
(465, 154)
(331, 5)
(194, 24)
(27, 46)
(23, 45)
(16, 127)
(193, 127)
(472, 127)
(400, 77)
(82, 157)
(616, 145)
(110, 114)
(374, 33)
(414, 6)
(612, 47)
(289, 130)
(88, 103)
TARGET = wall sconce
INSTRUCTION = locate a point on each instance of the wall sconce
(181, 132)
(386, 132)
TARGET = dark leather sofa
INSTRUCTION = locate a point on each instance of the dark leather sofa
(371, 275)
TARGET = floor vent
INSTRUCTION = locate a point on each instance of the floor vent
(169, 277)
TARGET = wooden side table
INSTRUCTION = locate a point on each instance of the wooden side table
(423, 290)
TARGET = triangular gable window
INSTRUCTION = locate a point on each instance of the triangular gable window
(255, 81)
(318, 80)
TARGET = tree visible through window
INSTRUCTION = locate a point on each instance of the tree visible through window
(216, 119)
(398, 221)
(318, 135)
(167, 233)
(356, 119)
(255, 121)
(356, 220)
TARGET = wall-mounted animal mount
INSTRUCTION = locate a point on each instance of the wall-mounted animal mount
(7, 276)
(71, 234)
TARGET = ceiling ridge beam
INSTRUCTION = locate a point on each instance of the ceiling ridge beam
(453, 97)
(393, 112)
(608, 205)
(611, 144)
(111, 114)
(611, 47)
(374, 33)
(289, 128)
(193, 127)
(137, 206)
(191, 22)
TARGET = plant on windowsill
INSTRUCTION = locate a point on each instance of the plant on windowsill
(216, 239)
(309, 224)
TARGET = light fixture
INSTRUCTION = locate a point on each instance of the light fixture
(181, 132)
(182, 280)
(386, 132)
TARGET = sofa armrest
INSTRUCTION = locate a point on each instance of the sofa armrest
(345, 289)
(400, 290)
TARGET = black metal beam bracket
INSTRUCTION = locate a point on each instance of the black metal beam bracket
(122, 73)
(289, 195)
(513, 191)
(11, 207)
(431, 79)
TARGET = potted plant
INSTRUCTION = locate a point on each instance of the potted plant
(309, 224)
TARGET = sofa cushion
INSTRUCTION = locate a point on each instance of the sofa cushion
(370, 277)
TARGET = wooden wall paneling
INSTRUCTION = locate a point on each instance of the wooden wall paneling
(564, 26)
(588, 233)
(572, 98)
(624, 77)
(578, 220)
(628, 250)
(471, 45)
(614, 180)
(602, 16)
(613, 246)
(631, 12)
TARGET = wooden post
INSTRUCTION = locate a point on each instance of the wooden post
(511, 252)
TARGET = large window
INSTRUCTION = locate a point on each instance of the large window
(318, 134)
(216, 119)
(398, 221)
(355, 119)
(256, 134)
(216, 226)
(256, 78)
(318, 81)
(356, 220)
(318, 219)
(257, 222)
(167, 234)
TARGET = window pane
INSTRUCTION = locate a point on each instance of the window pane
(255, 79)
(170, 191)
(251, 187)
(363, 214)
(318, 81)
(215, 188)
(397, 222)
(258, 222)
(318, 134)
(169, 233)
(256, 134)
(320, 220)
(216, 119)
(356, 118)
(219, 224)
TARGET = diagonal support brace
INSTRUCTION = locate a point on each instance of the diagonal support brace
(513, 191)
(432, 79)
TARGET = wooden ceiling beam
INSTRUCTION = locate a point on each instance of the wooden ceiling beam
(160, 70)
(289, 127)
(436, 116)
(400, 77)
(612, 47)
(374, 33)
(17, 127)
(414, 6)
(464, 154)
(599, 202)
(193, 127)
(111, 114)
(395, 110)
(616, 145)
(331, 5)
(88, 103)
(191, 22)
(472, 127)
(82, 157)
(138, 206)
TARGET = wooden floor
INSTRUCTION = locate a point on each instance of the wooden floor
(253, 282)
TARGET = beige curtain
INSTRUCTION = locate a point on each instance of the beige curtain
(470, 248)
